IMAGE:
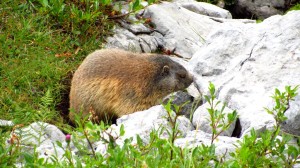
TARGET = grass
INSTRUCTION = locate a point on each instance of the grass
(37, 56)
(295, 7)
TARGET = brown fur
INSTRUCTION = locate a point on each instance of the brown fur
(115, 82)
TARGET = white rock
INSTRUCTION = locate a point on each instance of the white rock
(101, 147)
(224, 145)
(176, 28)
(180, 27)
(39, 133)
(49, 152)
(296, 165)
(183, 1)
(124, 39)
(183, 30)
(6, 123)
(193, 91)
(292, 124)
(237, 21)
(246, 62)
(207, 9)
(201, 119)
(42, 138)
(143, 122)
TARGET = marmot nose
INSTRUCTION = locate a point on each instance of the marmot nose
(190, 76)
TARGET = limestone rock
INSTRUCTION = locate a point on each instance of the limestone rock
(142, 123)
(258, 9)
(176, 27)
(185, 102)
(39, 133)
(201, 119)
(224, 144)
(127, 40)
(49, 151)
(6, 123)
(246, 62)
(44, 138)
(292, 124)
(207, 9)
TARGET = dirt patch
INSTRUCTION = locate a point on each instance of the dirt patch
(64, 104)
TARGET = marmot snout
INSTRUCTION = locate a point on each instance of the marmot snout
(115, 82)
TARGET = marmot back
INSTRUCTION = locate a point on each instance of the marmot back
(113, 82)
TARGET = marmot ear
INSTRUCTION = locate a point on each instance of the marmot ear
(165, 70)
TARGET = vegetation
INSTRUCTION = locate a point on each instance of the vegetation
(266, 149)
(42, 42)
(295, 7)
(37, 52)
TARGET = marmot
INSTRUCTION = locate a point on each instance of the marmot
(114, 82)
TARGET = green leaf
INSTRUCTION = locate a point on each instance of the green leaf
(176, 107)
(136, 5)
(207, 99)
(210, 111)
(150, 2)
(212, 89)
(293, 151)
(59, 144)
(168, 105)
(232, 116)
(252, 133)
(106, 2)
(89, 125)
(277, 92)
(96, 5)
(223, 107)
(28, 157)
(220, 126)
(44, 3)
(139, 140)
(78, 163)
(122, 130)
(288, 89)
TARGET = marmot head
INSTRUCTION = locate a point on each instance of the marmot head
(171, 76)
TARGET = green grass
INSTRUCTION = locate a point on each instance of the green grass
(295, 7)
(37, 53)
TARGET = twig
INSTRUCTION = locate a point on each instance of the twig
(120, 16)
(89, 142)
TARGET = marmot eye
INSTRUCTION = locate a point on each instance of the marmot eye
(166, 69)
(182, 75)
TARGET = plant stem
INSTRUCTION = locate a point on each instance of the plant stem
(90, 144)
